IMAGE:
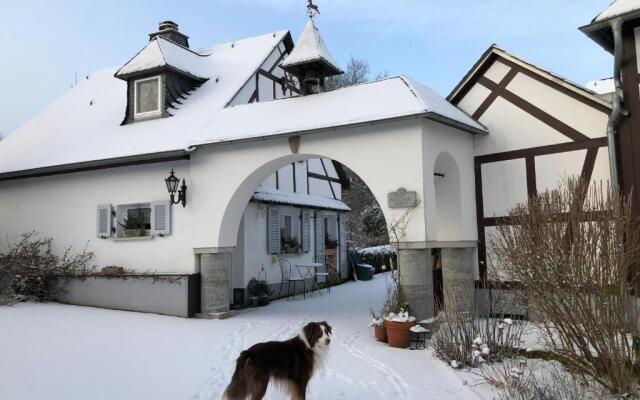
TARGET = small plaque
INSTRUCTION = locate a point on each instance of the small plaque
(402, 198)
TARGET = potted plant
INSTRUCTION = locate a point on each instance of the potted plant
(289, 244)
(378, 327)
(134, 225)
(259, 292)
(397, 320)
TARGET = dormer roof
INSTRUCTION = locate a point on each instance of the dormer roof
(160, 54)
(311, 49)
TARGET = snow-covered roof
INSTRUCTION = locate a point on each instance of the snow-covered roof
(160, 52)
(311, 47)
(368, 102)
(602, 86)
(599, 28)
(618, 8)
(275, 196)
(83, 126)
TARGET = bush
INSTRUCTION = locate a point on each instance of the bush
(467, 338)
(29, 271)
(380, 257)
(374, 226)
(572, 250)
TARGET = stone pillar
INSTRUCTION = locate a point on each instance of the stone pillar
(214, 284)
(416, 277)
(458, 278)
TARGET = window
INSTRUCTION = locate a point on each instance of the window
(147, 97)
(134, 220)
(289, 234)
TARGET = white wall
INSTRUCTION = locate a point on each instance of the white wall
(64, 208)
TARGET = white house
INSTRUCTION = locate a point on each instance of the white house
(260, 145)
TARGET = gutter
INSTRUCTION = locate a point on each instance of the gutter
(618, 98)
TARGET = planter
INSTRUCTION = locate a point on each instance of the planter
(398, 333)
(380, 333)
(134, 233)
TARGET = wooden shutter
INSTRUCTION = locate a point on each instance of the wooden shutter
(273, 230)
(343, 245)
(103, 221)
(160, 218)
(319, 237)
(306, 231)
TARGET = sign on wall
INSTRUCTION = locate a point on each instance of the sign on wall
(402, 198)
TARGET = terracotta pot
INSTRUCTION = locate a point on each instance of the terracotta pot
(380, 333)
(398, 333)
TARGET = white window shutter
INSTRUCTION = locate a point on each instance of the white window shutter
(306, 231)
(319, 237)
(273, 230)
(103, 221)
(160, 218)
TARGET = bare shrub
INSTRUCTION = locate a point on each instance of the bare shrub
(469, 338)
(571, 249)
(515, 380)
(29, 271)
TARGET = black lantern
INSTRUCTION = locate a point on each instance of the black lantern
(418, 340)
(172, 186)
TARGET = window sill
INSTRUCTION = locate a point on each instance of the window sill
(132, 239)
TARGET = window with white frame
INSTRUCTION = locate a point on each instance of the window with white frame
(147, 97)
(133, 220)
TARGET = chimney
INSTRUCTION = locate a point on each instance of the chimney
(169, 30)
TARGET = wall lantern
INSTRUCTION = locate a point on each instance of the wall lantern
(172, 187)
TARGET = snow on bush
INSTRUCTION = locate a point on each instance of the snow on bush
(29, 271)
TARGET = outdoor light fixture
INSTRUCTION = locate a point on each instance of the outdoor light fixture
(172, 187)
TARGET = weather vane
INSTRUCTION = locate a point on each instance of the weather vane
(312, 9)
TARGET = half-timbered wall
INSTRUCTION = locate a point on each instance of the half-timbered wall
(542, 129)
(315, 176)
(268, 83)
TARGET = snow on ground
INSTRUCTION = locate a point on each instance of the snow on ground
(57, 351)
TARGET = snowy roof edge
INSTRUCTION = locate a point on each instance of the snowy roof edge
(495, 49)
(271, 196)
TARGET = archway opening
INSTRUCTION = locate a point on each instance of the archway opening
(292, 218)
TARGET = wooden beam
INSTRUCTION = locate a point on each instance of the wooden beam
(494, 94)
(542, 150)
(531, 176)
(534, 111)
(323, 177)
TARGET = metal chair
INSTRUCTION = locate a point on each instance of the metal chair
(290, 275)
(324, 273)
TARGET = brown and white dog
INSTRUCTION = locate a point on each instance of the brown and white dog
(290, 364)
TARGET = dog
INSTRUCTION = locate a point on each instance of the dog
(290, 364)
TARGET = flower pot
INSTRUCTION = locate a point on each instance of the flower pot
(398, 333)
(380, 333)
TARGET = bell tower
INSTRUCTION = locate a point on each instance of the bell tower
(311, 61)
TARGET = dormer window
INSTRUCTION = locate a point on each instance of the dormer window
(147, 97)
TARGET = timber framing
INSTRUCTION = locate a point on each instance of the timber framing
(500, 90)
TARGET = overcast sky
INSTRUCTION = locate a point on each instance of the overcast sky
(46, 43)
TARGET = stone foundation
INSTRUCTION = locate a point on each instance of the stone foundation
(214, 296)
(416, 278)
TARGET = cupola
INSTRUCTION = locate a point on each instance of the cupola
(161, 76)
(311, 61)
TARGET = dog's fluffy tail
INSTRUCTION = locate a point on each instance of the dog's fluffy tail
(237, 389)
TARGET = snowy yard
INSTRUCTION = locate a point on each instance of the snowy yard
(56, 351)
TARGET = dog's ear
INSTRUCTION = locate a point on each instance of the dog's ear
(312, 332)
(327, 327)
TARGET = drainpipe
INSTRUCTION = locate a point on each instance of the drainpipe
(618, 111)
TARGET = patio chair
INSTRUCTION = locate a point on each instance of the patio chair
(361, 271)
(290, 274)
(322, 272)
